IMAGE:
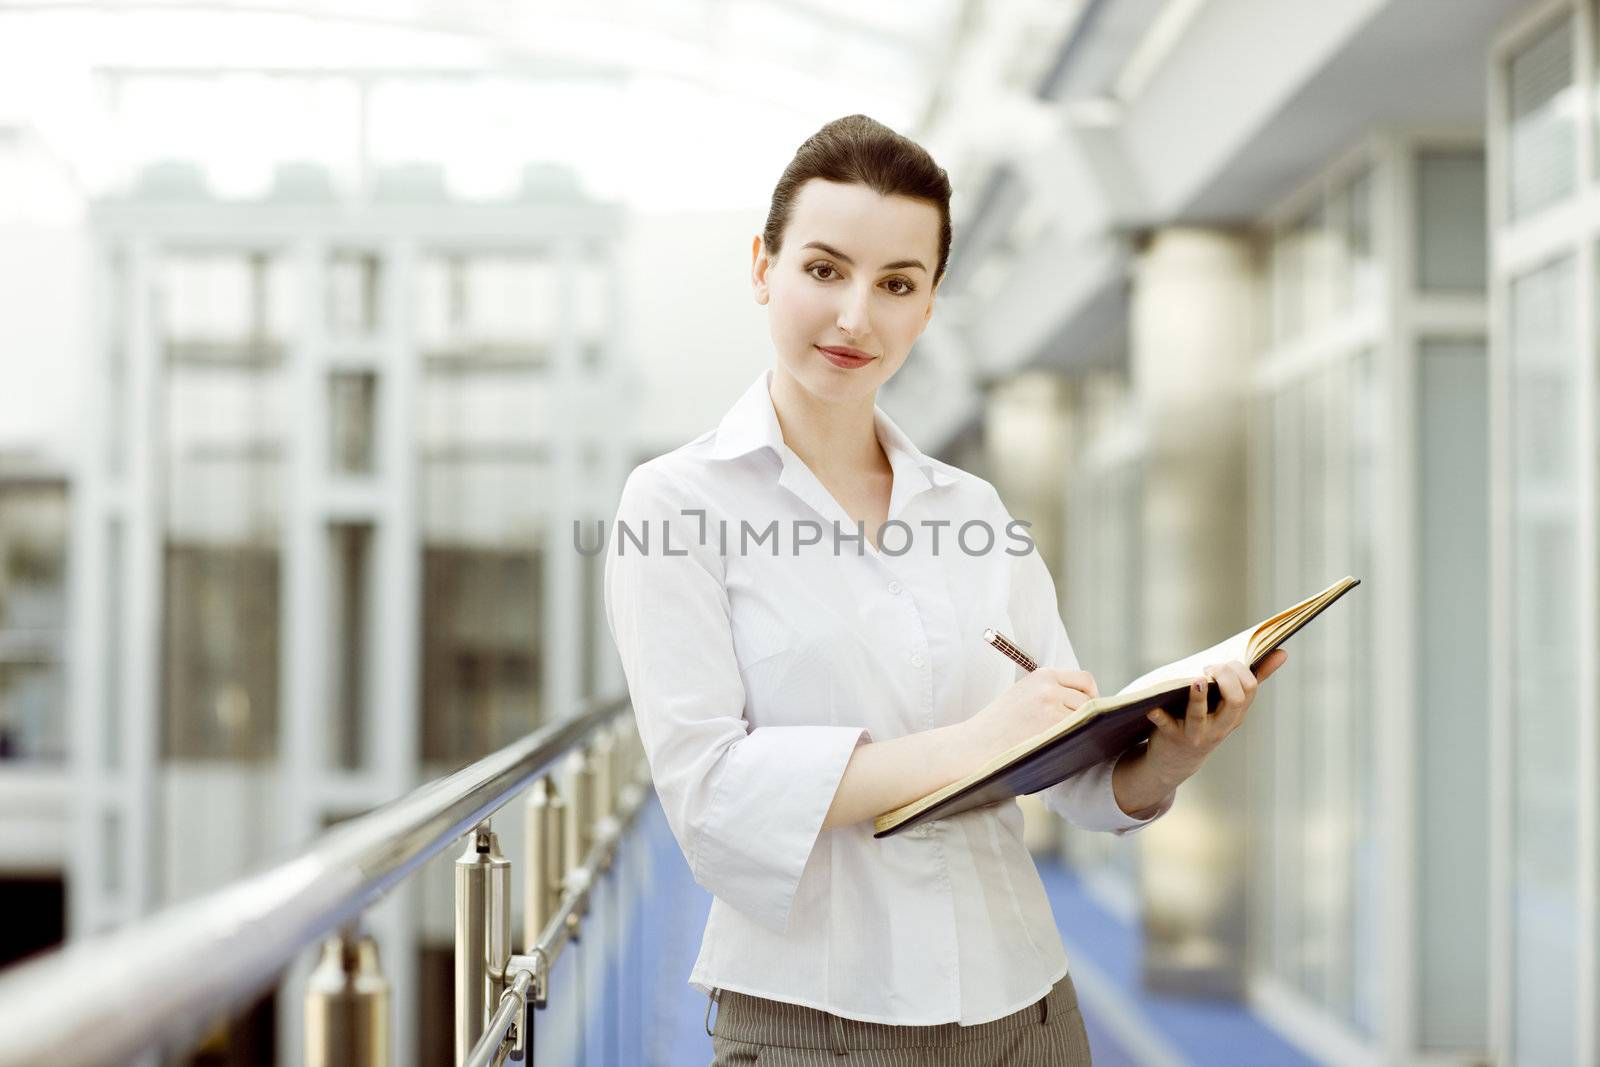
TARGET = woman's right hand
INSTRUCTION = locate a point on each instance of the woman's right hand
(1035, 703)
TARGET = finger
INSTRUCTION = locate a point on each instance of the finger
(1194, 716)
(1275, 659)
(1076, 680)
(1234, 701)
(1164, 722)
(1247, 680)
(1232, 689)
(1233, 712)
(1234, 720)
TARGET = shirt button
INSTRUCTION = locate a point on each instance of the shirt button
(895, 587)
(917, 660)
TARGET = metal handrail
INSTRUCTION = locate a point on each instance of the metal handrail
(527, 974)
(166, 977)
(492, 1047)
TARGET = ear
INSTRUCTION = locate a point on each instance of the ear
(759, 262)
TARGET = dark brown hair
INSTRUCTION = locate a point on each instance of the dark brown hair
(860, 150)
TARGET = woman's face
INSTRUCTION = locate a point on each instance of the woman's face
(855, 273)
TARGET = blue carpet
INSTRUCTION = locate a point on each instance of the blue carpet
(1207, 1032)
(672, 916)
(677, 914)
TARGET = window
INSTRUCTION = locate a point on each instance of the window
(1317, 738)
(485, 482)
(224, 331)
(33, 612)
(1452, 242)
(1452, 947)
(1545, 699)
(1543, 129)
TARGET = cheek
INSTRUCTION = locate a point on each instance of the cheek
(801, 306)
(905, 320)
(910, 314)
(817, 299)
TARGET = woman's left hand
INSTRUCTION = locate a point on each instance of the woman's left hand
(1177, 749)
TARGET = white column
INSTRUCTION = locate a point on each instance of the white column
(92, 597)
(1028, 449)
(144, 568)
(616, 389)
(304, 709)
(1191, 336)
(394, 722)
(562, 638)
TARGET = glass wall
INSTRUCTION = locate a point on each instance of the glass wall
(1101, 591)
(1322, 262)
(224, 321)
(1319, 745)
(350, 595)
(1330, 498)
(1451, 416)
(1312, 435)
(1360, 626)
(1451, 240)
(487, 328)
(350, 487)
(592, 618)
(1544, 368)
(33, 617)
(1545, 439)
(1452, 940)
(1542, 136)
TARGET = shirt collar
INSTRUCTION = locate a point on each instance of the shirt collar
(752, 423)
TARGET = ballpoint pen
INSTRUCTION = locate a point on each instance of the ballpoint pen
(1007, 648)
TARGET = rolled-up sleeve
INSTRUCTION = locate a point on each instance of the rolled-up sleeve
(746, 805)
(1087, 799)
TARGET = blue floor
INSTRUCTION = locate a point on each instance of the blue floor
(1204, 1032)
(678, 912)
(1198, 1033)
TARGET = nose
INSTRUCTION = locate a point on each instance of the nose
(855, 312)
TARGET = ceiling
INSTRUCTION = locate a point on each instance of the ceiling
(719, 90)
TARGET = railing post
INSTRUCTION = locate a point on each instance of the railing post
(499, 922)
(347, 1005)
(632, 751)
(605, 778)
(483, 934)
(580, 815)
(544, 813)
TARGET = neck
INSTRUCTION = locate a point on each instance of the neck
(829, 437)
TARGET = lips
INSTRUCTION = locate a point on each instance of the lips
(844, 357)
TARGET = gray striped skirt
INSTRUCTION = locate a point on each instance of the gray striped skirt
(750, 1030)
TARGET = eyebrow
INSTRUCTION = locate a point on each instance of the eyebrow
(899, 264)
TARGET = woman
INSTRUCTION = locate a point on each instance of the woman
(797, 596)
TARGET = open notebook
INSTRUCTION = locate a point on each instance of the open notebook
(1106, 726)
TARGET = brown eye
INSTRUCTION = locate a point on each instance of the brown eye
(812, 270)
(908, 287)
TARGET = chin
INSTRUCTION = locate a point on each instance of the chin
(822, 379)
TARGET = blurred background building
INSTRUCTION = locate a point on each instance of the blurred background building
(322, 323)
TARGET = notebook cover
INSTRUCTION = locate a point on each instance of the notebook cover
(1107, 736)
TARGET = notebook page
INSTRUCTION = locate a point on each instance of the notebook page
(1236, 647)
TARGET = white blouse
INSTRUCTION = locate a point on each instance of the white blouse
(760, 649)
